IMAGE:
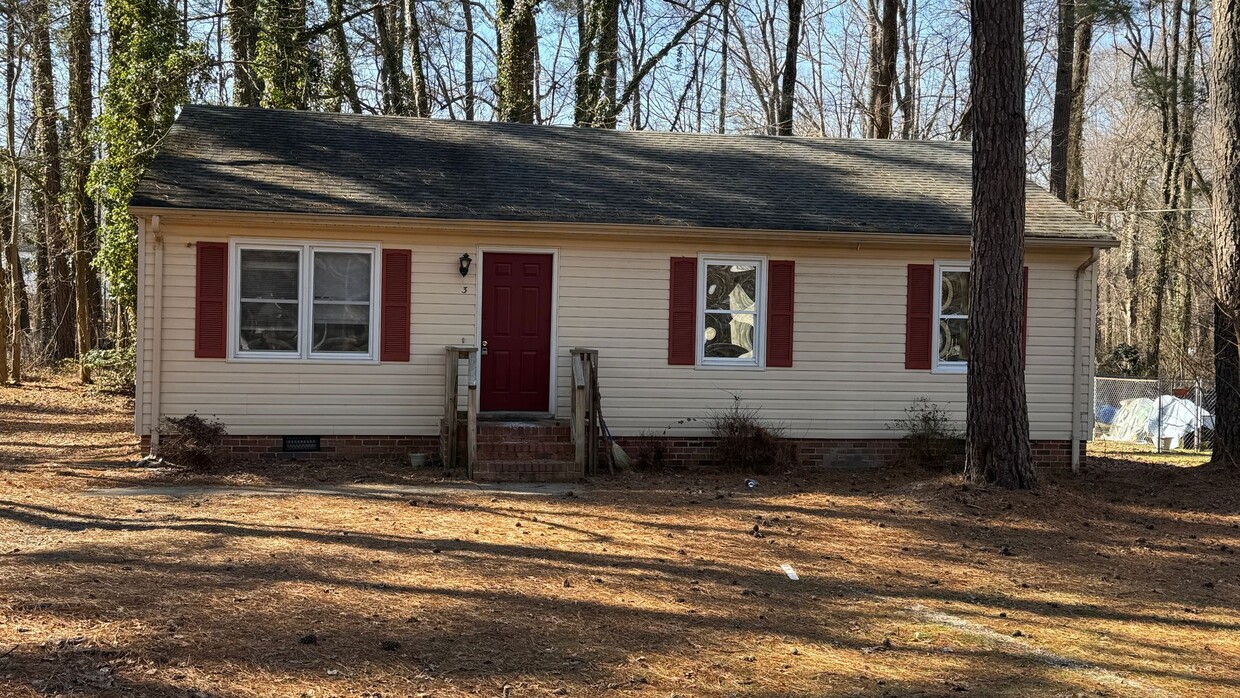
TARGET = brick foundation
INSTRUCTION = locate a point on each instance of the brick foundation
(695, 452)
(332, 446)
(525, 460)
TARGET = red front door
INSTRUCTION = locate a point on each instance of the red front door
(516, 331)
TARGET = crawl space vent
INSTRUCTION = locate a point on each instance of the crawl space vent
(302, 444)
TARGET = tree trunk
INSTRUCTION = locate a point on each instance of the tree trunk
(417, 70)
(997, 434)
(282, 54)
(81, 207)
(788, 80)
(391, 72)
(518, 39)
(1168, 98)
(1132, 272)
(723, 66)
(598, 57)
(468, 11)
(912, 78)
(1062, 114)
(19, 318)
(1225, 88)
(883, 48)
(17, 284)
(342, 70)
(1075, 164)
(4, 295)
(56, 321)
(243, 42)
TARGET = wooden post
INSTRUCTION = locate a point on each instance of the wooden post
(579, 410)
(451, 367)
(471, 435)
(592, 431)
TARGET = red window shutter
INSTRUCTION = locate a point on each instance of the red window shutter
(779, 305)
(919, 316)
(396, 305)
(682, 313)
(1024, 347)
(211, 301)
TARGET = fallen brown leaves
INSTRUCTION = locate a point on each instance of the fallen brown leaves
(1120, 582)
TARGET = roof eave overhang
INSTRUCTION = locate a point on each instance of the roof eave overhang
(327, 221)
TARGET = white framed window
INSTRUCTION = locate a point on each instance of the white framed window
(302, 301)
(731, 310)
(951, 317)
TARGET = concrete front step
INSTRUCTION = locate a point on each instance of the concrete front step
(527, 470)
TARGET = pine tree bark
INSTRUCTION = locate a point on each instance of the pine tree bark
(1225, 89)
(788, 78)
(81, 211)
(518, 51)
(997, 434)
(243, 42)
(1062, 112)
(56, 319)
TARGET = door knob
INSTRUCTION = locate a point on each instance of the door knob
(484, 347)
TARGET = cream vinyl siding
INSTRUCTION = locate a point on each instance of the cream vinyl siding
(848, 378)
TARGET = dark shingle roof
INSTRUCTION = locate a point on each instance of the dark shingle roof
(228, 158)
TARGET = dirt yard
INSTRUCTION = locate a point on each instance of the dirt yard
(1122, 582)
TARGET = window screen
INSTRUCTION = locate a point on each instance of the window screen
(342, 282)
(270, 281)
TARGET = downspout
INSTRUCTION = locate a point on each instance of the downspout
(157, 333)
(1079, 376)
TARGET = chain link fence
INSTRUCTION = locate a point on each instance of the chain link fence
(1166, 414)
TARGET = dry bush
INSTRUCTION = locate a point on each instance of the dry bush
(743, 441)
(651, 452)
(192, 441)
(931, 438)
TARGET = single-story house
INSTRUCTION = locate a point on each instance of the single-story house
(303, 274)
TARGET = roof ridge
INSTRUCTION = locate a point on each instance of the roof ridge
(568, 128)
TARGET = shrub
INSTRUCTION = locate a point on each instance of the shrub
(113, 370)
(931, 437)
(744, 442)
(651, 451)
(192, 441)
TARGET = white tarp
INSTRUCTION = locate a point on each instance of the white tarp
(1140, 420)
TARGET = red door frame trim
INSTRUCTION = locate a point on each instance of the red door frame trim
(481, 250)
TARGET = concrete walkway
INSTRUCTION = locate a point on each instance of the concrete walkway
(547, 489)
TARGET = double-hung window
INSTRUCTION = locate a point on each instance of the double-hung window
(731, 294)
(951, 316)
(304, 301)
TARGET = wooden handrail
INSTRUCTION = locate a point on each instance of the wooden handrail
(585, 409)
(452, 367)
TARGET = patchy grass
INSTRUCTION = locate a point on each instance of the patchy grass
(1120, 582)
(1125, 454)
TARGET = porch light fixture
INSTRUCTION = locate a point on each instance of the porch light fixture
(465, 262)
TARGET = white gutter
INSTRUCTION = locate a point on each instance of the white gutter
(157, 332)
(1080, 376)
